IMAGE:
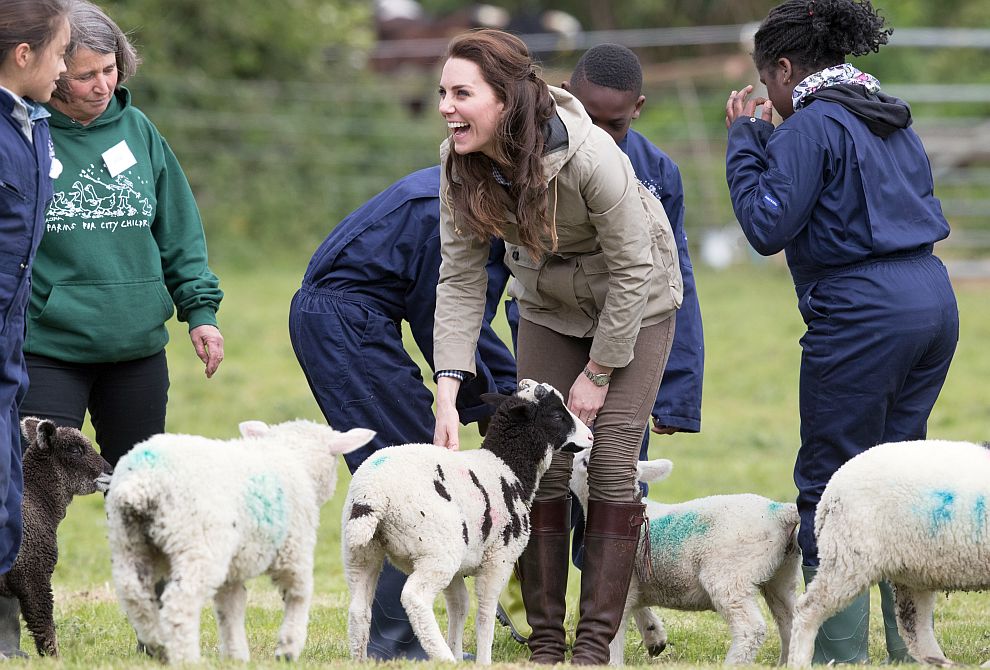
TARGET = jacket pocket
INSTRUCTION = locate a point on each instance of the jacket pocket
(810, 306)
(592, 285)
(124, 319)
(525, 273)
(9, 187)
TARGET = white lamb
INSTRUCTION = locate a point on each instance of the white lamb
(913, 513)
(441, 515)
(206, 515)
(713, 553)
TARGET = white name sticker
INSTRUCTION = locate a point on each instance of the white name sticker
(118, 158)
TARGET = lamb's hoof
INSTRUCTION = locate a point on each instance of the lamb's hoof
(288, 658)
(656, 649)
(155, 652)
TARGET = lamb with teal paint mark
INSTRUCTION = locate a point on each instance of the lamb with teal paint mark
(201, 516)
(442, 515)
(913, 513)
(714, 553)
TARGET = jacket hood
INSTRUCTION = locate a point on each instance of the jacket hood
(119, 103)
(578, 125)
(883, 114)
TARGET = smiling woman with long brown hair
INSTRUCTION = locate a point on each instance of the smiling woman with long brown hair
(597, 282)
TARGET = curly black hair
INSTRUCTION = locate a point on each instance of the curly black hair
(610, 65)
(815, 34)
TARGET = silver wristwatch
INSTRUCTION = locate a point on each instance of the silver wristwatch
(599, 379)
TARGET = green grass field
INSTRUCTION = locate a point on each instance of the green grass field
(748, 442)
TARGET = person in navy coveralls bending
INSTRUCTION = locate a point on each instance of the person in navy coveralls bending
(843, 186)
(376, 269)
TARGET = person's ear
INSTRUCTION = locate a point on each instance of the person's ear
(639, 106)
(786, 70)
(566, 85)
(22, 54)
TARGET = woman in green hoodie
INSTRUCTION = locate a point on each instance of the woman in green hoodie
(123, 249)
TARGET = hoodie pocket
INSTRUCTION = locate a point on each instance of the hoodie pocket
(125, 318)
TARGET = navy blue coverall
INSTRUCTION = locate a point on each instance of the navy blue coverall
(850, 201)
(378, 268)
(25, 189)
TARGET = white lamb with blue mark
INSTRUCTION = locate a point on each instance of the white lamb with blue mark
(442, 515)
(203, 515)
(714, 553)
(913, 513)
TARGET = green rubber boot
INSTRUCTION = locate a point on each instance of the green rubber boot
(897, 651)
(845, 637)
(511, 612)
(10, 629)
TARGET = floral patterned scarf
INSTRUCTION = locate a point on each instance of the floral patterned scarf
(830, 76)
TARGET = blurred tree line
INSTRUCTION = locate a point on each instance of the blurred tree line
(282, 127)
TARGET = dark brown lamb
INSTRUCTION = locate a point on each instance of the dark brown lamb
(59, 463)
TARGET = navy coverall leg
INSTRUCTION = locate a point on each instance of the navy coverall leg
(877, 350)
(362, 377)
(13, 385)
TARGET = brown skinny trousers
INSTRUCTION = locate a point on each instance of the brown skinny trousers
(547, 356)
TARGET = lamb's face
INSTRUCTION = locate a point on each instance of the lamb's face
(568, 431)
(74, 461)
(646, 471)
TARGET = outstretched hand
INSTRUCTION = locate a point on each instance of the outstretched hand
(208, 343)
(740, 105)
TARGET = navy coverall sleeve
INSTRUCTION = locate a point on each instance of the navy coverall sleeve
(495, 365)
(678, 402)
(775, 178)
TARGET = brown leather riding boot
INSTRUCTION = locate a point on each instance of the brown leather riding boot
(542, 571)
(611, 537)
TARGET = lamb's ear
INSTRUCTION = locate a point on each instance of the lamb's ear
(494, 399)
(45, 435)
(355, 438)
(29, 428)
(654, 471)
(253, 428)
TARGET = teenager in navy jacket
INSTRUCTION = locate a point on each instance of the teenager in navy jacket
(33, 38)
(377, 269)
(843, 186)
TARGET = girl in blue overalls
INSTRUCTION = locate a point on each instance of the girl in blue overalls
(378, 268)
(33, 38)
(843, 186)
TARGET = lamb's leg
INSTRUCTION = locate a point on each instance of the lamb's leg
(488, 584)
(780, 594)
(650, 626)
(37, 608)
(229, 604)
(828, 592)
(617, 647)
(746, 626)
(296, 585)
(195, 579)
(132, 566)
(429, 576)
(361, 568)
(915, 610)
(456, 597)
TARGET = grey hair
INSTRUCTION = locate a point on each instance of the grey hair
(92, 29)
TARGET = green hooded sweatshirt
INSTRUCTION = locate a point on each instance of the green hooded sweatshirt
(123, 243)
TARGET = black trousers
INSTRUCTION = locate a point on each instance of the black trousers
(126, 401)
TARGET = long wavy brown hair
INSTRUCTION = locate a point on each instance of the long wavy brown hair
(507, 67)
